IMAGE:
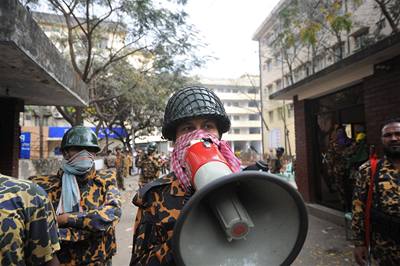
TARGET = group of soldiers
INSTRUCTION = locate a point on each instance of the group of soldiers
(69, 218)
(149, 163)
(121, 162)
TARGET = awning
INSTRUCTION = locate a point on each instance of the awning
(31, 67)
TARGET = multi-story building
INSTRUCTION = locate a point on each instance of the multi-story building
(241, 100)
(45, 125)
(336, 65)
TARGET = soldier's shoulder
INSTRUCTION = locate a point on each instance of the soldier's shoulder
(365, 166)
(106, 176)
(18, 186)
(48, 182)
(155, 186)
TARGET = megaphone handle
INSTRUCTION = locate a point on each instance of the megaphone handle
(233, 217)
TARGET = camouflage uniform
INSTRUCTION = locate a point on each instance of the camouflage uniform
(120, 166)
(28, 229)
(387, 197)
(150, 169)
(159, 205)
(89, 236)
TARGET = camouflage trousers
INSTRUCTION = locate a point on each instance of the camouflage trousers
(120, 180)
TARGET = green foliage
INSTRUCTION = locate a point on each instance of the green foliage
(153, 36)
(136, 100)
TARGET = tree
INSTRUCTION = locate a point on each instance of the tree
(155, 37)
(133, 100)
(391, 11)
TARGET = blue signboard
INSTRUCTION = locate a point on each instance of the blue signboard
(25, 147)
(58, 132)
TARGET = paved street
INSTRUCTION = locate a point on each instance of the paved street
(325, 245)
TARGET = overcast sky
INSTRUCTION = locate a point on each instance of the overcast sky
(228, 27)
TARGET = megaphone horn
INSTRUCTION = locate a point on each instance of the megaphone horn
(263, 218)
(206, 164)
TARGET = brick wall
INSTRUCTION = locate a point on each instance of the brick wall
(9, 135)
(303, 133)
(381, 98)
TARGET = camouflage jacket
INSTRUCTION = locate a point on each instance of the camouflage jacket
(150, 168)
(28, 229)
(89, 236)
(384, 249)
(159, 205)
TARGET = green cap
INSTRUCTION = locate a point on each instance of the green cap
(80, 136)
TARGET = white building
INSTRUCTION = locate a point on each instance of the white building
(241, 100)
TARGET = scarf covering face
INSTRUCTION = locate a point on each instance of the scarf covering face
(77, 165)
(178, 164)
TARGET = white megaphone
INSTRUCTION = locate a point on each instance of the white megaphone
(246, 218)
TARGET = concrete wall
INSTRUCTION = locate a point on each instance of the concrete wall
(29, 168)
(381, 98)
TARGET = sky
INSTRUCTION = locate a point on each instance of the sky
(228, 27)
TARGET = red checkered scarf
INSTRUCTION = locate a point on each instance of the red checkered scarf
(178, 164)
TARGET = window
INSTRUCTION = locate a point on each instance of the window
(236, 117)
(278, 84)
(252, 104)
(319, 62)
(276, 59)
(271, 116)
(235, 104)
(236, 130)
(361, 38)
(270, 89)
(254, 117)
(268, 65)
(338, 51)
(280, 113)
(290, 109)
(252, 90)
(254, 130)
(380, 25)
(28, 116)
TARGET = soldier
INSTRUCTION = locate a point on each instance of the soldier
(110, 159)
(191, 113)
(28, 228)
(385, 203)
(87, 202)
(149, 165)
(120, 167)
(277, 162)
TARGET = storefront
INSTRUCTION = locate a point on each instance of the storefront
(339, 145)
(338, 115)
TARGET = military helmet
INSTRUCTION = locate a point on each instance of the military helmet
(80, 136)
(193, 102)
(151, 147)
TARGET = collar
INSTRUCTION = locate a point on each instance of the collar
(90, 175)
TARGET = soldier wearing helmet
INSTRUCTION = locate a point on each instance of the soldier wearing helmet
(149, 165)
(191, 113)
(86, 201)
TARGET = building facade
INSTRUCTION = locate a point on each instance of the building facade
(241, 100)
(341, 84)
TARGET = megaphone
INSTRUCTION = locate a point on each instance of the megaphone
(236, 219)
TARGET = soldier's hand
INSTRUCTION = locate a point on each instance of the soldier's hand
(360, 255)
(62, 219)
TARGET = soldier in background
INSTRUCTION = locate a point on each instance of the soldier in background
(149, 165)
(277, 163)
(120, 166)
(110, 159)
